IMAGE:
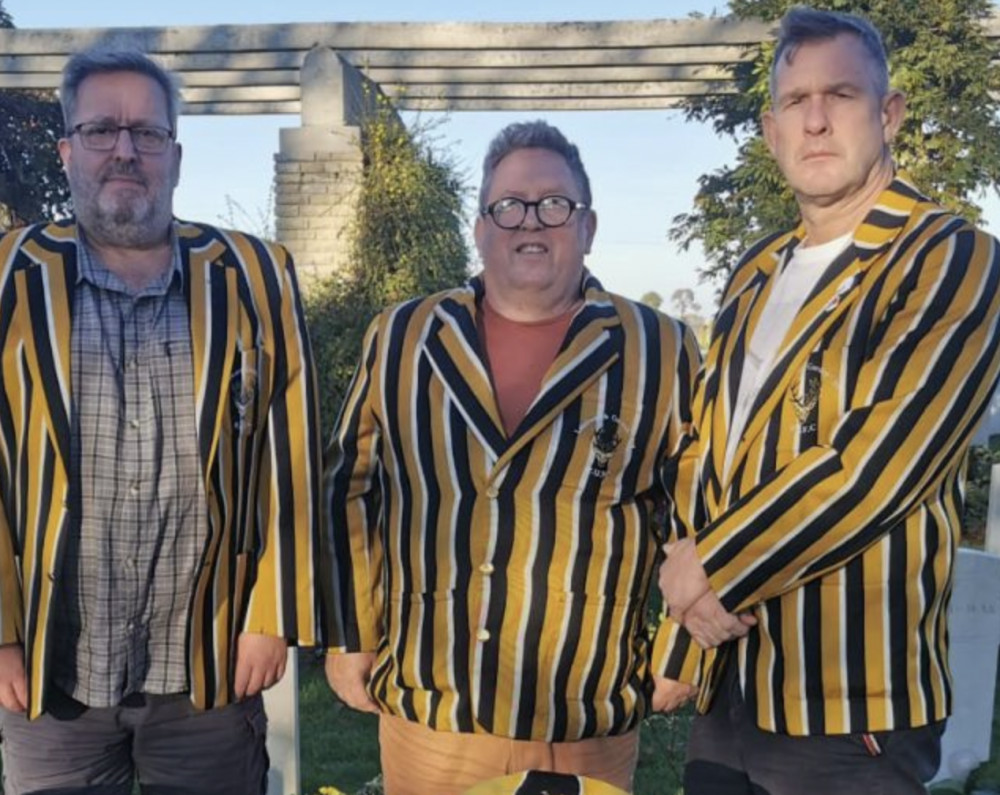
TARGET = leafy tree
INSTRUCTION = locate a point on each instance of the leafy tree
(32, 185)
(406, 240)
(949, 143)
(652, 298)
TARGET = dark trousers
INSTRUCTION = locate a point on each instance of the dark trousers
(729, 755)
(163, 741)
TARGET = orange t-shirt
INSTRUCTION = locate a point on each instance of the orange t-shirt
(518, 355)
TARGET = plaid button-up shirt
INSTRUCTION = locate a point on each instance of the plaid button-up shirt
(137, 506)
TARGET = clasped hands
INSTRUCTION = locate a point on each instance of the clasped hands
(691, 602)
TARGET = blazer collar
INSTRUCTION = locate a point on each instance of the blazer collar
(453, 345)
(831, 296)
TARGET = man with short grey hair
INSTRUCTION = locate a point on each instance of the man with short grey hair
(157, 406)
(851, 360)
(491, 492)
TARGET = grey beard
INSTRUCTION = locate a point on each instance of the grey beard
(127, 226)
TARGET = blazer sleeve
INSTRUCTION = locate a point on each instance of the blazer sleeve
(11, 604)
(926, 379)
(351, 508)
(285, 599)
(674, 655)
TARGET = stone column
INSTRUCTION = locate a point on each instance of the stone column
(318, 167)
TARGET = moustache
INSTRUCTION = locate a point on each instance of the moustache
(128, 170)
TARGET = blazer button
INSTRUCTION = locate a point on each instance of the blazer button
(486, 568)
(483, 635)
(492, 492)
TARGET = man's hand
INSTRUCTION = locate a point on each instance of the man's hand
(348, 676)
(692, 602)
(711, 625)
(13, 682)
(260, 663)
(669, 694)
(682, 577)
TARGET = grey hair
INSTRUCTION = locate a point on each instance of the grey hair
(535, 134)
(802, 24)
(106, 60)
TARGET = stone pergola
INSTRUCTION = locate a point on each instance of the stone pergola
(320, 71)
(327, 73)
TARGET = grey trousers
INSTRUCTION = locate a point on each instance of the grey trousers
(729, 755)
(163, 741)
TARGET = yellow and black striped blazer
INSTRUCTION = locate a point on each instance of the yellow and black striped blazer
(502, 581)
(838, 519)
(257, 431)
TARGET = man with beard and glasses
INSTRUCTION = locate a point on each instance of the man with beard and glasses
(157, 404)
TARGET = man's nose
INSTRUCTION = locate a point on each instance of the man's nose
(532, 214)
(124, 148)
(817, 118)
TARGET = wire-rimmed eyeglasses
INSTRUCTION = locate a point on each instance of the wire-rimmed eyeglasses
(100, 136)
(510, 212)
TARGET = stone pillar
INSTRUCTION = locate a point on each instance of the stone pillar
(318, 167)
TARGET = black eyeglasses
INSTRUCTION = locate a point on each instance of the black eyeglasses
(101, 136)
(510, 212)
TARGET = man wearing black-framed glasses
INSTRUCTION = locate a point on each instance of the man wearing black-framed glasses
(154, 418)
(514, 430)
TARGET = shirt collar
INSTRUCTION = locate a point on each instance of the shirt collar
(95, 272)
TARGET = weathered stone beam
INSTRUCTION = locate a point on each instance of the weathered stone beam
(271, 108)
(418, 59)
(411, 77)
(393, 35)
(559, 74)
(559, 91)
(540, 105)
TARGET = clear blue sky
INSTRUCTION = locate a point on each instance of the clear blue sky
(643, 165)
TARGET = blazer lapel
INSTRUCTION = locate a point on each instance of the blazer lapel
(724, 369)
(452, 345)
(829, 299)
(46, 289)
(213, 306)
(593, 343)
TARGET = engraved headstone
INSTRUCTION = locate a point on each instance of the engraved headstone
(974, 631)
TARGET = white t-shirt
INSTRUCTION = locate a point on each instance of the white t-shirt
(790, 290)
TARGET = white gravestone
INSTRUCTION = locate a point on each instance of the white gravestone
(281, 703)
(974, 632)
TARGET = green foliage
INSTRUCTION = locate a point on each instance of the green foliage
(949, 142)
(406, 240)
(977, 493)
(32, 185)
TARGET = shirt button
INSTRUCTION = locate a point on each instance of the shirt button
(492, 492)
(134, 489)
(134, 422)
(486, 568)
(483, 635)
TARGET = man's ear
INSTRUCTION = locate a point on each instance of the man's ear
(590, 229)
(477, 233)
(893, 113)
(177, 164)
(767, 126)
(65, 151)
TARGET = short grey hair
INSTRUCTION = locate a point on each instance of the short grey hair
(536, 134)
(802, 24)
(107, 60)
